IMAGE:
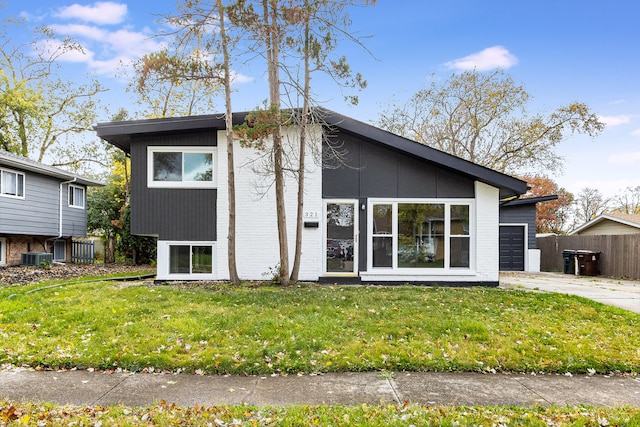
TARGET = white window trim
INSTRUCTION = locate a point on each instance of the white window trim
(84, 197)
(395, 270)
(24, 184)
(164, 252)
(3, 251)
(151, 183)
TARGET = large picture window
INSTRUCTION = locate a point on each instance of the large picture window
(181, 167)
(11, 183)
(420, 235)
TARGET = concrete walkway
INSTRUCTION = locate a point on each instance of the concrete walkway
(99, 388)
(619, 293)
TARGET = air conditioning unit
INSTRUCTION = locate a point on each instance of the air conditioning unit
(36, 258)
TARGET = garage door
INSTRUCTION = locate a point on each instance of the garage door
(511, 248)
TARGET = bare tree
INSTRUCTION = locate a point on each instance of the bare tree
(627, 202)
(482, 117)
(589, 203)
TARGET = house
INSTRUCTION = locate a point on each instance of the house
(609, 223)
(41, 209)
(518, 251)
(392, 210)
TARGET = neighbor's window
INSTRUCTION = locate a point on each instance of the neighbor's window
(11, 183)
(181, 167)
(190, 259)
(76, 196)
(420, 235)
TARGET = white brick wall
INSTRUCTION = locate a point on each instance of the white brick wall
(487, 232)
(257, 248)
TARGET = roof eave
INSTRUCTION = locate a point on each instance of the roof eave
(52, 171)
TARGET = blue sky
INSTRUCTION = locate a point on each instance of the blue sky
(561, 51)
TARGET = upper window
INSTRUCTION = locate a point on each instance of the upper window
(420, 235)
(11, 183)
(181, 167)
(76, 196)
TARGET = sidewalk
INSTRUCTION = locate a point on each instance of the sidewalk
(99, 388)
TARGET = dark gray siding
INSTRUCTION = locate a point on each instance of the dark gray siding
(171, 214)
(372, 170)
(521, 214)
(38, 213)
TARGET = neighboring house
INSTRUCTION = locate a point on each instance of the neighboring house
(41, 209)
(518, 251)
(393, 211)
(609, 223)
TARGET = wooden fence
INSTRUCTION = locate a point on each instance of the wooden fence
(82, 252)
(619, 254)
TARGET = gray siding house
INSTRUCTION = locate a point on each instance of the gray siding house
(393, 210)
(41, 209)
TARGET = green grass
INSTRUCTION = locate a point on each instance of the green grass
(364, 415)
(262, 330)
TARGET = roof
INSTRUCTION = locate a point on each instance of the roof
(22, 163)
(121, 134)
(631, 220)
(529, 200)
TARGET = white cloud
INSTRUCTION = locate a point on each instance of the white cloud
(487, 59)
(101, 13)
(625, 158)
(51, 46)
(622, 119)
(80, 30)
(106, 51)
(636, 133)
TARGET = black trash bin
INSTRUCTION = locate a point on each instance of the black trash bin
(588, 263)
(569, 256)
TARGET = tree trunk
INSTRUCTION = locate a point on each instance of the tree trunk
(110, 250)
(272, 45)
(295, 271)
(231, 252)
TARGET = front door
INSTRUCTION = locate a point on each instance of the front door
(341, 245)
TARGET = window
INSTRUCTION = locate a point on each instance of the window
(181, 167)
(420, 235)
(3, 251)
(190, 259)
(382, 239)
(460, 240)
(76, 196)
(11, 183)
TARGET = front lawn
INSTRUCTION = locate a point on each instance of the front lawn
(262, 330)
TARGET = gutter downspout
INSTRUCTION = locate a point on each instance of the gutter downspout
(60, 215)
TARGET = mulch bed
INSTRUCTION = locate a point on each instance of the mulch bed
(23, 275)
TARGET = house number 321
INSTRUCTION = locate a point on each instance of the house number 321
(311, 215)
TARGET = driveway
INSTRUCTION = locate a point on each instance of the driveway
(619, 293)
